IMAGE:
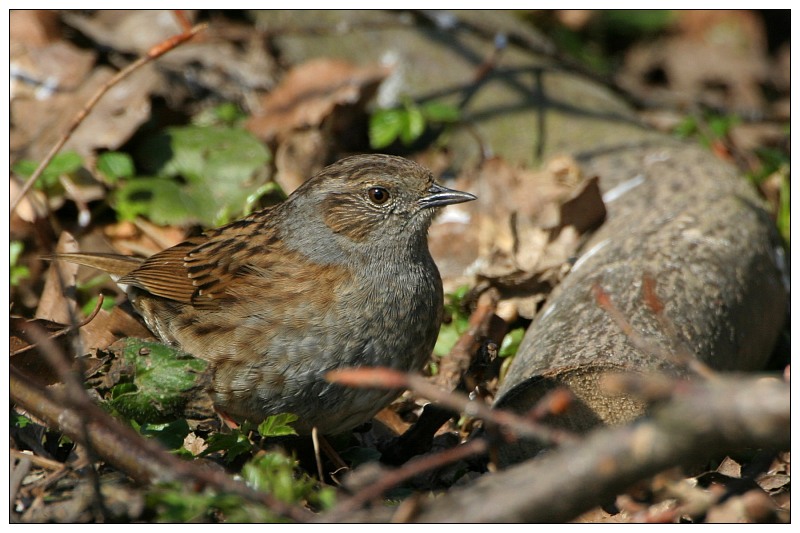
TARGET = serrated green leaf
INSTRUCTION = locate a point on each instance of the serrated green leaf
(278, 425)
(115, 165)
(163, 382)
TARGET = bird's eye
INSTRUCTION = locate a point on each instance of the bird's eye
(378, 195)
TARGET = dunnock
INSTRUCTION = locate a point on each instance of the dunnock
(339, 275)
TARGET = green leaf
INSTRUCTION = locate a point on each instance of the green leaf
(450, 333)
(164, 201)
(278, 425)
(164, 380)
(180, 503)
(441, 112)
(17, 272)
(511, 342)
(20, 421)
(385, 126)
(784, 209)
(115, 165)
(234, 444)
(170, 434)
(277, 474)
(201, 175)
(413, 125)
(65, 163)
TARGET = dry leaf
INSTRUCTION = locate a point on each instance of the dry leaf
(310, 92)
(57, 302)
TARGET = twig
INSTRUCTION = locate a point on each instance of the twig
(457, 362)
(392, 478)
(155, 52)
(317, 458)
(707, 419)
(512, 424)
(68, 329)
(72, 412)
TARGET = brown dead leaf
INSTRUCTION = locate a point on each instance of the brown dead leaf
(141, 237)
(528, 226)
(110, 326)
(129, 31)
(310, 92)
(33, 27)
(194, 444)
(57, 302)
(300, 155)
(718, 59)
(36, 125)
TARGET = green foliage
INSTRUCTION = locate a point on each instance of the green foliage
(784, 211)
(710, 127)
(17, 272)
(238, 442)
(273, 473)
(407, 122)
(198, 174)
(280, 476)
(511, 343)
(20, 421)
(450, 332)
(636, 23)
(178, 503)
(158, 389)
(224, 114)
(63, 164)
(234, 444)
(508, 349)
(115, 166)
(170, 434)
(706, 128)
(278, 425)
(777, 163)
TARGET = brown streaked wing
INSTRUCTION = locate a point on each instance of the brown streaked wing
(164, 274)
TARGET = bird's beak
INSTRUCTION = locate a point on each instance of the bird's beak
(439, 196)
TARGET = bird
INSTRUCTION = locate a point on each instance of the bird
(338, 275)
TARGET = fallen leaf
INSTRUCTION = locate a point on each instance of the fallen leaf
(310, 92)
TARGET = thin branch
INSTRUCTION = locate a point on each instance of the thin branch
(68, 329)
(70, 411)
(393, 478)
(705, 420)
(510, 423)
(155, 52)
